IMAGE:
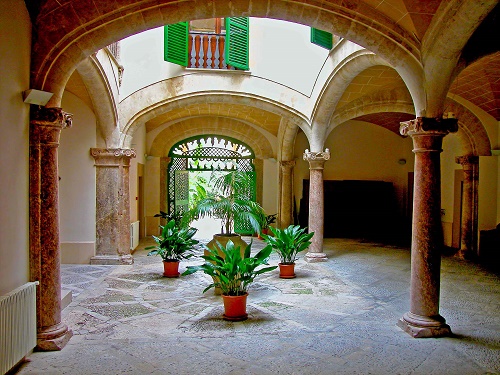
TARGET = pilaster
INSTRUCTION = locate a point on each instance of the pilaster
(286, 193)
(112, 205)
(316, 203)
(423, 319)
(468, 239)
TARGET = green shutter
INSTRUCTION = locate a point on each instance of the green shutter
(176, 43)
(236, 49)
(321, 38)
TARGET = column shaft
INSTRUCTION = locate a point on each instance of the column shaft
(112, 206)
(286, 195)
(468, 238)
(316, 204)
(424, 320)
(45, 129)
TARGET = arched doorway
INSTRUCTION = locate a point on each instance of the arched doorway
(207, 153)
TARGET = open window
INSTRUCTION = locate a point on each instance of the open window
(213, 43)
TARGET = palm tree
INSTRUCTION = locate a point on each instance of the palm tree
(224, 203)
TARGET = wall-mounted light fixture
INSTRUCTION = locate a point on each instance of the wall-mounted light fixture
(36, 97)
(402, 161)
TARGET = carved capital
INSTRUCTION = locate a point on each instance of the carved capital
(316, 159)
(309, 155)
(467, 160)
(43, 116)
(287, 165)
(426, 125)
(46, 125)
(112, 157)
(116, 152)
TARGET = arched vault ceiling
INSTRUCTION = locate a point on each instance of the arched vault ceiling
(256, 116)
(479, 83)
(388, 120)
(174, 133)
(77, 87)
(370, 80)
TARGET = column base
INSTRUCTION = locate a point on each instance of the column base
(105, 260)
(466, 254)
(53, 338)
(316, 257)
(419, 326)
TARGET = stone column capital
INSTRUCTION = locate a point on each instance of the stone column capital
(51, 117)
(112, 157)
(165, 159)
(428, 133)
(467, 160)
(428, 126)
(316, 159)
(287, 165)
(46, 124)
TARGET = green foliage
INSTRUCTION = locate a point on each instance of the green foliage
(174, 243)
(268, 220)
(231, 272)
(288, 242)
(224, 204)
(174, 216)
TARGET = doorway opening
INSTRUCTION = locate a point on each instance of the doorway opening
(194, 160)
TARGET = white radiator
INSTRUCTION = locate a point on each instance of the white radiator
(134, 235)
(17, 325)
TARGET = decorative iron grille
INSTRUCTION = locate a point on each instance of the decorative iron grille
(208, 153)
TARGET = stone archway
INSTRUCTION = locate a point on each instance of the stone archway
(208, 153)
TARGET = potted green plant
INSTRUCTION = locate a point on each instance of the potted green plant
(233, 273)
(173, 244)
(287, 243)
(267, 221)
(225, 203)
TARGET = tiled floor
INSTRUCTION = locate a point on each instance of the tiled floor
(337, 317)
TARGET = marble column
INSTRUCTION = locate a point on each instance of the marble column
(45, 130)
(316, 204)
(286, 193)
(112, 205)
(423, 319)
(468, 238)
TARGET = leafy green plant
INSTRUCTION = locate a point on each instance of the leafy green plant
(174, 243)
(288, 242)
(175, 216)
(268, 220)
(230, 271)
(224, 203)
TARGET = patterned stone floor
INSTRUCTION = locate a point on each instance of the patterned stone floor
(337, 317)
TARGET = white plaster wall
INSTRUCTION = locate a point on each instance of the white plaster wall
(142, 58)
(279, 51)
(77, 185)
(15, 48)
(282, 52)
(139, 145)
(361, 151)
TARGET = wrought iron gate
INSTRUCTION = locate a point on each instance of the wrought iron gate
(208, 153)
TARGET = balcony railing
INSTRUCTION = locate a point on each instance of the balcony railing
(207, 51)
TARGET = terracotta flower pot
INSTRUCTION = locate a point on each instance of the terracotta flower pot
(171, 268)
(235, 307)
(287, 271)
